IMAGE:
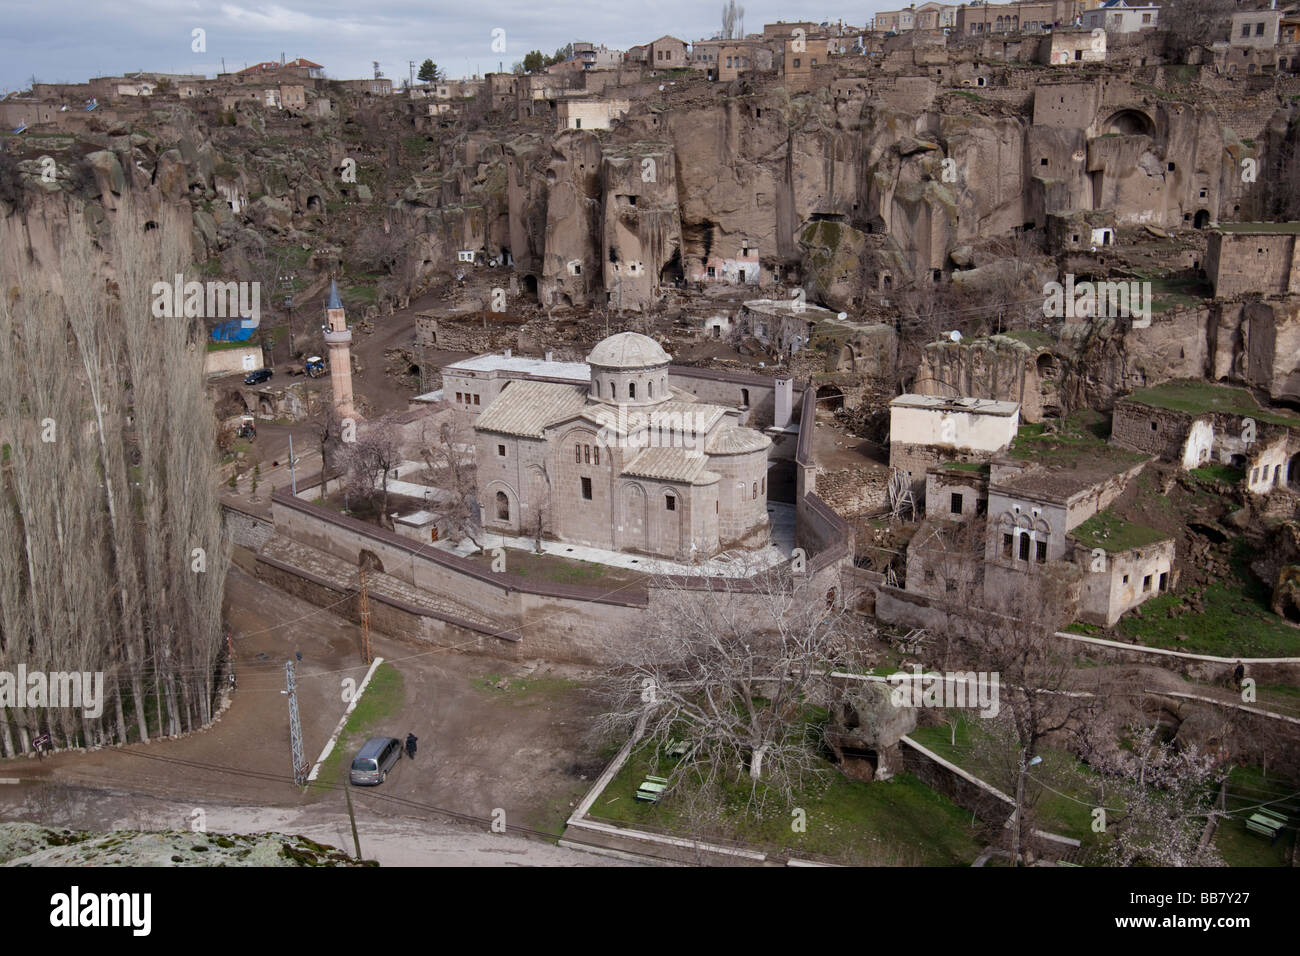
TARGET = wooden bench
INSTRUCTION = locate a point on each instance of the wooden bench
(676, 748)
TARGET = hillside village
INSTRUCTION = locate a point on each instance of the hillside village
(962, 341)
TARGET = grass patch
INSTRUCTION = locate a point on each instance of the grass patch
(981, 468)
(1224, 473)
(1079, 439)
(1031, 337)
(1248, 788)
(1198, 398)
(553, 569)
(1111, 533)
(383, 698)
(1235, 620)
(1055, 812)
(517, 688)
(896, 821)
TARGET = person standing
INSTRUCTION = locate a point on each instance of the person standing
(410, 745)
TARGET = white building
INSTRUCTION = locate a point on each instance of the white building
(1120, 16)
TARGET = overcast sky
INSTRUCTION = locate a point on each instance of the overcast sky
(72, 41)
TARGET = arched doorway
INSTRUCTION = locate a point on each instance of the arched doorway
(829, 398)
(1201, 219)
(1293, 472)
(1130, 123)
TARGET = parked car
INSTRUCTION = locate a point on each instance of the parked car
(258, 377)
(314, 366)
(373, 761)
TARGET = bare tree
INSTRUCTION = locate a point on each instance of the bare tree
(451, 466)
(733, 671)
(368, 462)
(1041, 693)
(731, 16)
(112, 556)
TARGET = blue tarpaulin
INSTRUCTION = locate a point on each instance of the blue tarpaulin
(231, 332)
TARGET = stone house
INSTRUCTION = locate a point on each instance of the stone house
(1264, 445)
(1033, 506)
(668, 53)
(1065, 47)
(589, 113)
(1120, 16)
(1255, 28)
(1253, 257)
(925, 430)
(1126, 565)
(624, 463)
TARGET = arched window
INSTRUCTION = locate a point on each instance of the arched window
(631, 389)
(670, 503)
(754, 494)
(596, 382)
(595, 454)
(586, 454)
(650, 386)
(763, 485)
(503, 506)
(577, 454)
(613, 392)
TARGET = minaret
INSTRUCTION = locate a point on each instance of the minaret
(338, 338)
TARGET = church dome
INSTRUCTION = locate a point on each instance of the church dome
(628, 350)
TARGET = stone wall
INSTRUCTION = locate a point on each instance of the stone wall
(245, 528)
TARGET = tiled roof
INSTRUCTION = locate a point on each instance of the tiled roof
(737, 440)
(526, 408)
(669, 464)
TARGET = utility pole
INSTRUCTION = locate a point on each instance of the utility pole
(365, 617)
(293, 474)
(356, 840)
(411, 84)
(295, 728)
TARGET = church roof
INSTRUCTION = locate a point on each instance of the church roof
(525, 408)
(628, 350)
(670, 464)
(736, 440)
(679, 415)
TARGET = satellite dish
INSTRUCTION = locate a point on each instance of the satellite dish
(492, 263)
(661, 87)
(954, 336)
(843, 316)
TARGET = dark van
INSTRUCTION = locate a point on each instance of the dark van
(373, 761)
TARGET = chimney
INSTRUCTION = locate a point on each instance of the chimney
(549, 353)
(784, 402)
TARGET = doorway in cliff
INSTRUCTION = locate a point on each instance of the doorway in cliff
(672, 273)
(1202, 219)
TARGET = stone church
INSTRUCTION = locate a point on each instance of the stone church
(625, 463)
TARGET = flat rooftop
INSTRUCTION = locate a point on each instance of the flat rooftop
(536, 367)
(977, 406)
(1200, 398)
(1261, 228)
